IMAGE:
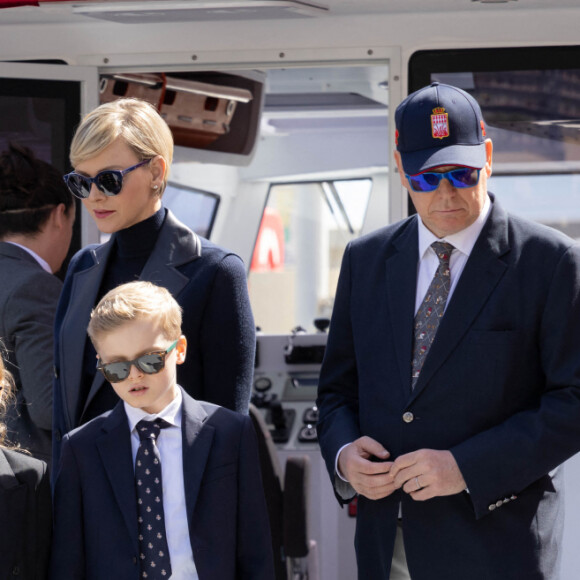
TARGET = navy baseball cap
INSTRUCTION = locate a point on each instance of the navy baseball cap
(440, 125)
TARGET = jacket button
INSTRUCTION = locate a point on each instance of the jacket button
(498, 503)
(55, 372)
(491, 507)
(135, 560)
(408, 417)
(58, 435)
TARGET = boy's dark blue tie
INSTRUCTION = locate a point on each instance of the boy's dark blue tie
(153, 550)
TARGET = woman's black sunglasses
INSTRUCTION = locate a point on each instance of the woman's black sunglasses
(110, 181)
(150, 363)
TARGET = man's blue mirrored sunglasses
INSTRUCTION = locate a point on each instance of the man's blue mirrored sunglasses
(109, 181)
(429, 181)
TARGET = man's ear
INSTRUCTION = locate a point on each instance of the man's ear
(489, 156)
(58, 216)
(57, 219)
(399, 164)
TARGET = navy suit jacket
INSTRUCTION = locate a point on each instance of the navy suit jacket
(95, 506)
(25, 509)
(500, 389)
(207, 282)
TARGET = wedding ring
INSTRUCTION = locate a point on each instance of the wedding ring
(418, 484)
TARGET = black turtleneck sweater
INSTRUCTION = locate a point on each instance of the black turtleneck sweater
(129, 254)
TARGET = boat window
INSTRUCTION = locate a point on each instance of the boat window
(304, 231)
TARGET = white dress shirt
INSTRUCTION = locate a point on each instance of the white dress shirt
(463, 243)
(169, 444)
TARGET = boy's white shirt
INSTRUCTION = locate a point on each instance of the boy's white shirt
(169, 444)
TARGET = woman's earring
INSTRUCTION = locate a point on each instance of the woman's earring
(155, 187)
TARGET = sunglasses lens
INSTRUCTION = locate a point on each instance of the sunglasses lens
(117, 371)
(151, 363)
(425, 181)
(109, 182)
(79, 185)
(467, 177)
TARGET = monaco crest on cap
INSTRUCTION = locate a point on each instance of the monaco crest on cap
(439, 123)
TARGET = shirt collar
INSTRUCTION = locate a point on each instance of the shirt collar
(171, 413)
(463, 240)
(43, 263)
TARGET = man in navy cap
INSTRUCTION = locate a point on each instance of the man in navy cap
(450, 389)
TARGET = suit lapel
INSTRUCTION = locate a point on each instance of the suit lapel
(401, 288)
(176, 245)
(482, 273)
(197, 444)
(114, 447)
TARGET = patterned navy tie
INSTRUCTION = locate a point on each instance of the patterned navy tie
(431, 310)
(153, 550)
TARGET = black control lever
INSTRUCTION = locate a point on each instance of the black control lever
(277, 415)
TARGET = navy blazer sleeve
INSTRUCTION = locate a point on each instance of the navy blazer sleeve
(227, 338)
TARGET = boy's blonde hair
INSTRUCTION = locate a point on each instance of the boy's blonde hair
(134, 121)
(135, 301)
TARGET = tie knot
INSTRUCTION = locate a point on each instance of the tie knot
(443, 251)
(150, 429)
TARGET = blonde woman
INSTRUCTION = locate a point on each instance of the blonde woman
(25, 504)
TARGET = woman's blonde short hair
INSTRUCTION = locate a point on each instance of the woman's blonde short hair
(135, 301)
(134, 121)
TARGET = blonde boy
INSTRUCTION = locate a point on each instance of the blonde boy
(184, 501)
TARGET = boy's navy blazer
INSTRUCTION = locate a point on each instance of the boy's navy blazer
(500, 389)
(210, 285)
(95, 534)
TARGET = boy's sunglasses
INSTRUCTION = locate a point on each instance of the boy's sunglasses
(429, 181)
(110, 181)
(150, 363)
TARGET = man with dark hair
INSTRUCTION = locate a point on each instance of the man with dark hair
(450, 389)
(36, 220)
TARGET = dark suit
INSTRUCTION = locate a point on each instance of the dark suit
(95, 503)
(25, 512)
(28, 299)
(207, 282)
(500, 389)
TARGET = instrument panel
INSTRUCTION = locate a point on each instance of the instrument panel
(285, 386)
